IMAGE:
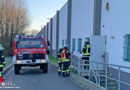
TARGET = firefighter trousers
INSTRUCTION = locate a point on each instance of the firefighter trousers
(86, 57)
(1, 69)
(66, 68)
(59, 67)
(1, 78)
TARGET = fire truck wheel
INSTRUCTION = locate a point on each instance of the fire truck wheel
(44, 68)
(16, 69)
(41, 66)
(19, 67)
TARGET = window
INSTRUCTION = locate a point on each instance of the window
(73, 44)
(65, 42)
(127, 48)
(79, 44)
(62, 43)
(30, 43)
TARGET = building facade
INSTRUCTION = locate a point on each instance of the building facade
(109, 18)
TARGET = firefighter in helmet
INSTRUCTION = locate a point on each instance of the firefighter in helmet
(59, 60)
(86, 52)
(66, 61)
(2, 63)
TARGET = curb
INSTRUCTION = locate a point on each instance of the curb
(6, 69)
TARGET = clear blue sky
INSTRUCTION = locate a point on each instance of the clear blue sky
(41, 10)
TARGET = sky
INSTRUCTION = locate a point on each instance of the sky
(40, 11)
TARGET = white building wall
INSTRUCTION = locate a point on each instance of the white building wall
(82, 21)
(63, 24)
(54, 33)
(115, 23)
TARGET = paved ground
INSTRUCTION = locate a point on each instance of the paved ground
(33, 79)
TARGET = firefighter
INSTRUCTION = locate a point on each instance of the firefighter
(86, 52)
(66, 61)
(59, 60)
(2, 63)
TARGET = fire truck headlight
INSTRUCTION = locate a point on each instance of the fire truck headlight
(42, 61)
(18, 62)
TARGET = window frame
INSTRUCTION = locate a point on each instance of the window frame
(126, 47)
(79, 48)
(63, 42)
(73, 44)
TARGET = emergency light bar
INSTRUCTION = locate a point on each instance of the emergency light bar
(17, 37)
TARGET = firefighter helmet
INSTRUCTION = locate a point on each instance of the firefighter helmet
(87, 40)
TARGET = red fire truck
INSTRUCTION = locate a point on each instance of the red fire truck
(29, 51)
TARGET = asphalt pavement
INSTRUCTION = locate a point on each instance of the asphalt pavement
(32, 78)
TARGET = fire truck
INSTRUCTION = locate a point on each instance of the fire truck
(29, 51)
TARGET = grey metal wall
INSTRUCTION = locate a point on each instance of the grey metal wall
(69, 23)
(97, 17)
(49, 31)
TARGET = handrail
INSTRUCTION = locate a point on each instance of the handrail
(97, 75)
(111, 64)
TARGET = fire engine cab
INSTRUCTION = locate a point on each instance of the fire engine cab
(29, 51)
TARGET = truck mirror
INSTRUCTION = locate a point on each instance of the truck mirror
(48, 43)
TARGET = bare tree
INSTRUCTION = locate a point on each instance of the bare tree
(13, 20)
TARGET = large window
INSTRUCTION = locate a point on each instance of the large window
(79, 44)
(73, 44)
(127, 48)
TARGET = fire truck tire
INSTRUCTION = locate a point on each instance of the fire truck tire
(16, 69)
(44, 68)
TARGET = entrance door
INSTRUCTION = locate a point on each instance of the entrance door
(98, 50)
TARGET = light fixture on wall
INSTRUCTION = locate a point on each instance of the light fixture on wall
(112, 37)
(107, 6)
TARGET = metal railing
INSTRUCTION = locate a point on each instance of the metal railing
(94, 71)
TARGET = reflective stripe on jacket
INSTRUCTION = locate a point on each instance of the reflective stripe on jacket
(2, 60)
(1, 65)
(63, 54)
(87, 50)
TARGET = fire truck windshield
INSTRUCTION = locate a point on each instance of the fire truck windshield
(30, 43)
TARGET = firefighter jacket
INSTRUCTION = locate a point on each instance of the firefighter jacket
(59, 55)
(2, 60)
(86, 49)
(65, 55)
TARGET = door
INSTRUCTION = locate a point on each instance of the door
(98, 50)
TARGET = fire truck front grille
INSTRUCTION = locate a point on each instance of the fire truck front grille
(28, 56)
